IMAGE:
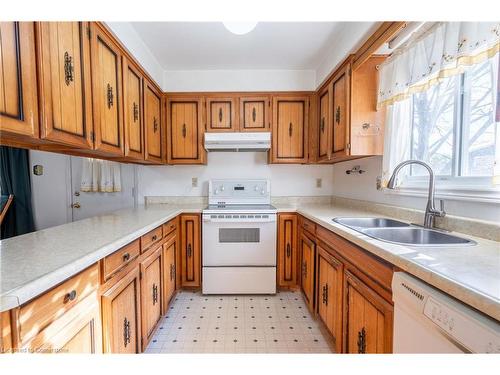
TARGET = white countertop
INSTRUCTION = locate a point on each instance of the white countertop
(33, 263)
(471, 274)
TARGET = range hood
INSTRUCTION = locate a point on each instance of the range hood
(233, 141)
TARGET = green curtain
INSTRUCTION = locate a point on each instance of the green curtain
(15, 179)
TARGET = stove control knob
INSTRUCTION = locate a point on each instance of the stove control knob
(263, 191)
(256, 188)
(222, 188)
(216, 191)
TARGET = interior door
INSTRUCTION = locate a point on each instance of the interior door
(88, 204)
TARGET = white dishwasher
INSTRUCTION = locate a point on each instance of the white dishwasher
(427, 320)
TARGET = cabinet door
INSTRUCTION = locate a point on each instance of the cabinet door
(221, 114)
(150, 294)
(287, 250)
(290, 129)
(121, 315)
(65, 84)
(168, 260)
(254, 114)
(325, 125)
(154, 124)
(307, 256)
(18, 92)
(133, 111)
(78, 331)
(340, 90)
(369, 319)
(184, 122)
(190, 250)
(107, 93)
(330, 294)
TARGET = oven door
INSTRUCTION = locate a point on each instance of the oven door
(239, 242)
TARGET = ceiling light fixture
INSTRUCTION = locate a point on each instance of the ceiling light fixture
(240, 28)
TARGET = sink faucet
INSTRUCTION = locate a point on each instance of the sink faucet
(430, 211)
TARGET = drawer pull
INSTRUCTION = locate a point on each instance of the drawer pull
(70, 296)
(154, 237)
(126, 257)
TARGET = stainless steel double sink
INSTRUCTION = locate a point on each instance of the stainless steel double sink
(398, 232)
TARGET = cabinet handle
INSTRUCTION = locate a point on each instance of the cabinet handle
(171, 272)
(304, 271)
(155, 294)
(323, 292)
(322, 125)
(70, 296)
(337, 115)
(153, 238)
(220, 114)
(254, 114)
(189, 251)
(290, 129)
(184, 130)
(126, 332)
(155, 124)
(362, 341)
(109, 95)
(126, 257)
(135, 111)
(288, 250)
(326, 294)
(68, 68)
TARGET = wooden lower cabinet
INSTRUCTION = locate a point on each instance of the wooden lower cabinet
(307, 249)
(287, 250)
(169, 269)
(329, 295)
(150, 294)
(121, 315)
(77, 331)
(368, 318)
(190, 250)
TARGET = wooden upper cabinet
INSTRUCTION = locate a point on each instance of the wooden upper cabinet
(185, 130)
(330, 294)
(325, 123)
(254, 114)
(154, 129)
(65, 83)
(290, 129)
(107, 92)
(18, 85)
(307, 250)
(121, 315)
(133, 110)
(287, 250)
(190, 250)
(369, 319)
(221, 114)
(339, 134)
(151, 294)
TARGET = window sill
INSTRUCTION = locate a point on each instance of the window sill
(466, 194)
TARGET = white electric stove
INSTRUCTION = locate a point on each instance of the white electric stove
(239, 238)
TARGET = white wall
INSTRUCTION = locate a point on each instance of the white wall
(50, 191)
(286, 180)
(129, 37)
(239, 80)
(364, 187)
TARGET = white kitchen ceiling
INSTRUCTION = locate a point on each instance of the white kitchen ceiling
(271, 45)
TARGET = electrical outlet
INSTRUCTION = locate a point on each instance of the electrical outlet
(319, 182)
(194, 182)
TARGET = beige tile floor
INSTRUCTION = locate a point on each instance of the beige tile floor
(239, 324)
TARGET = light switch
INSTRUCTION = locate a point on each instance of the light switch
(319, 182)
(194, 182)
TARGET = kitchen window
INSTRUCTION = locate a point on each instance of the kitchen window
(454, 129)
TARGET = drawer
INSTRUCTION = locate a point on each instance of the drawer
(307, 225)
(37, 314)
(169, 227)
(151, 238)
(120, 258)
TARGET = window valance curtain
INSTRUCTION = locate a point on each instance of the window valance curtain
(436, 51)
(100, 176)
